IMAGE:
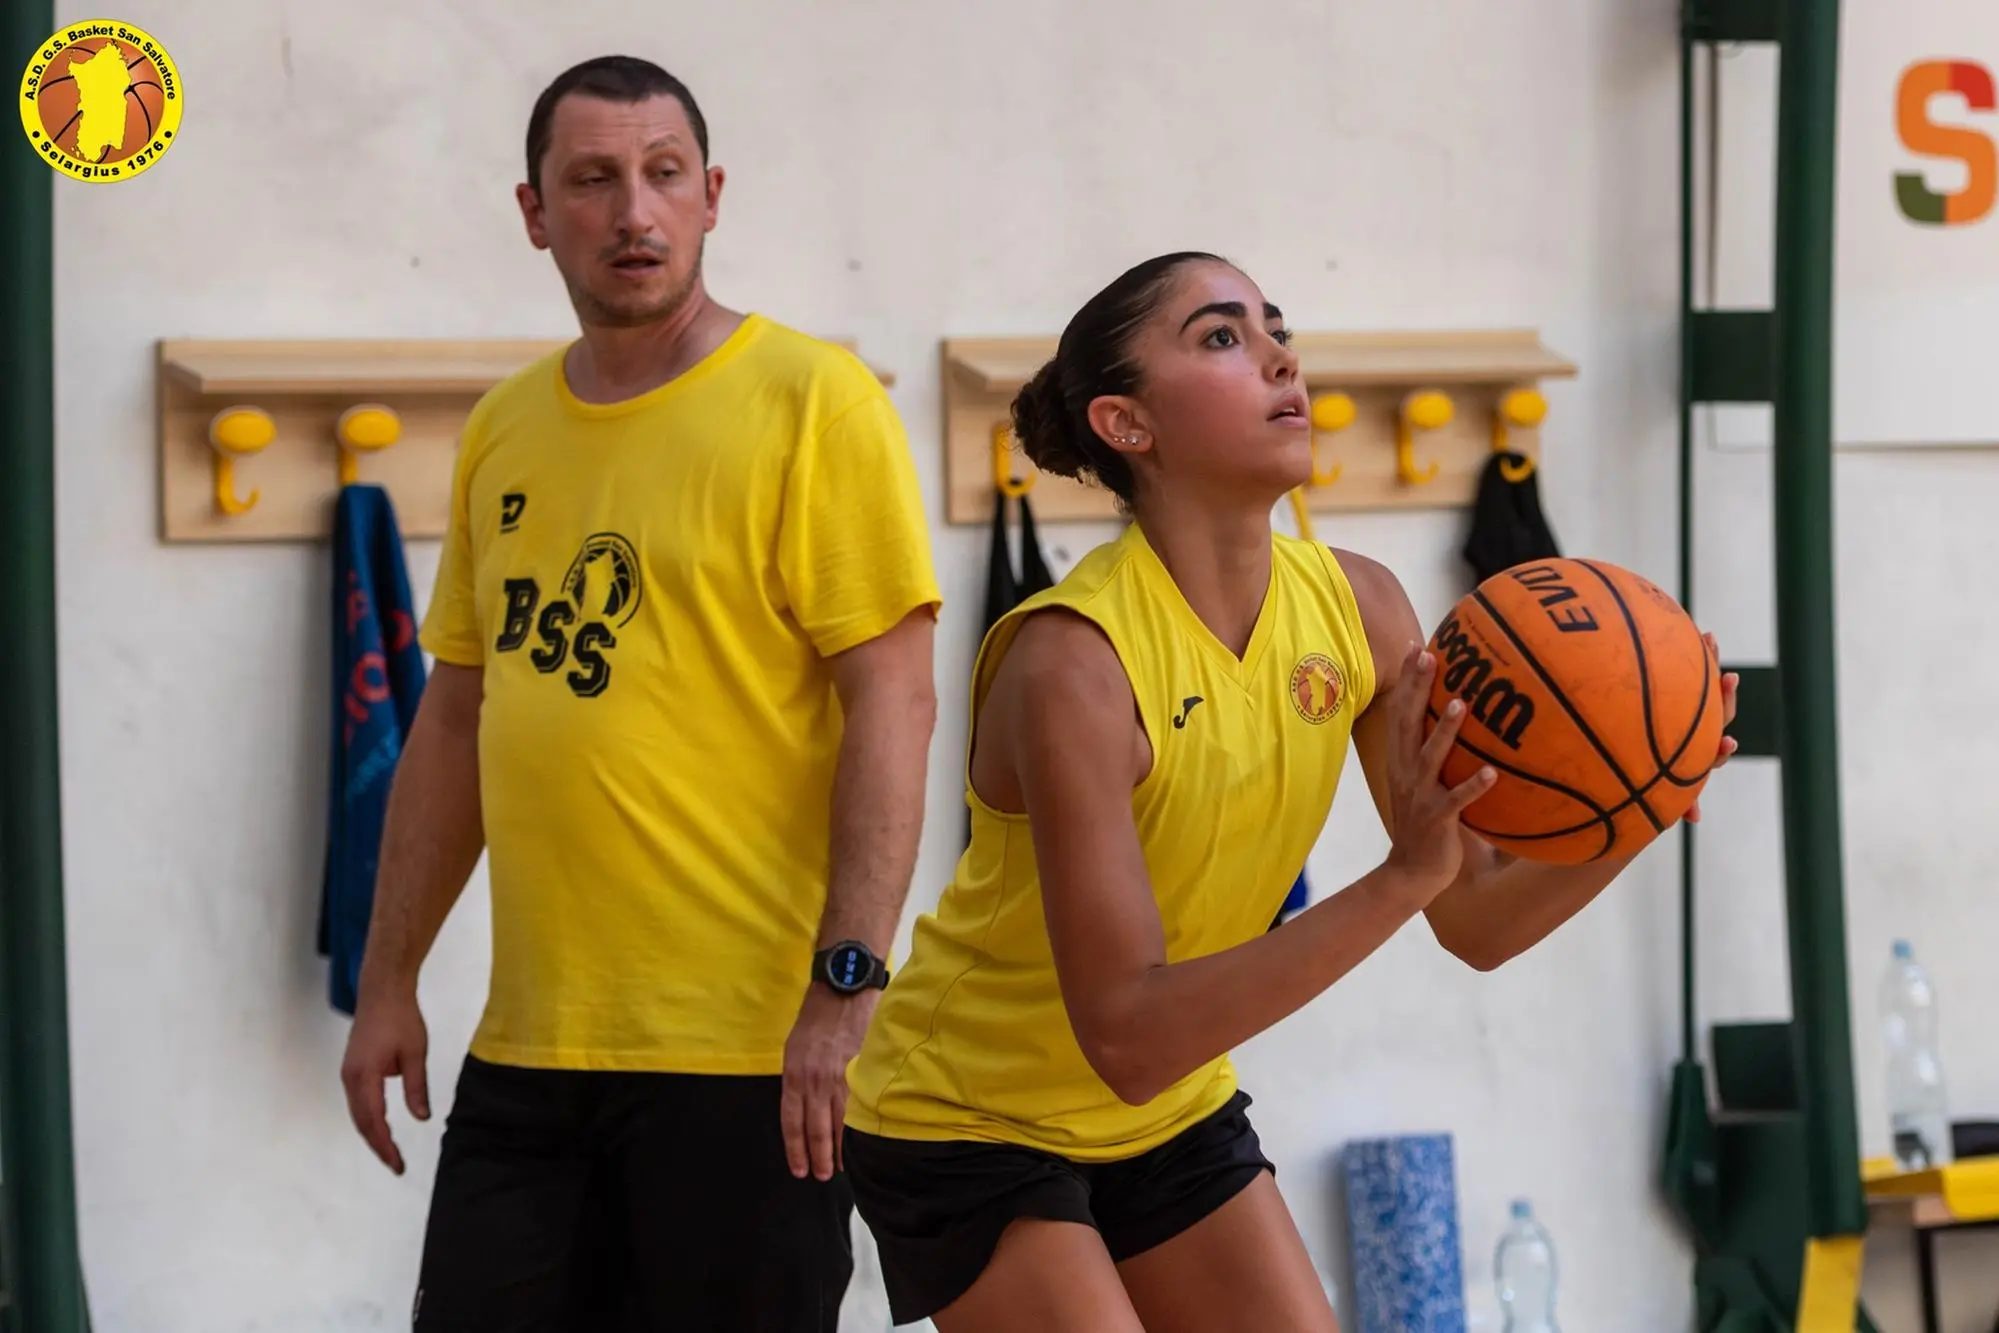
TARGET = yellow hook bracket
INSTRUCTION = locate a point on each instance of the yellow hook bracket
(1303, 513)
(1522, 408)
(1331, 414)
(364, 429)
(237, 432)
(1010, 486)
(1426, 410)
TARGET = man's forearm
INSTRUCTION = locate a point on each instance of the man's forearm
(431, 839)
(877, 814)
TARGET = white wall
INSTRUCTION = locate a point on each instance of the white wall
(902, 172)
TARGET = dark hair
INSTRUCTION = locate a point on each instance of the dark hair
(624, 79)
(1093, 359)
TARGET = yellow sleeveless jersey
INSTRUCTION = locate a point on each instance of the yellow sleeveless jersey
(971, 1040)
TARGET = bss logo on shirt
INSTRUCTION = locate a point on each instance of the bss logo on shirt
(600, 592)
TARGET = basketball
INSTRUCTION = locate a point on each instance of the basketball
(1591, 694)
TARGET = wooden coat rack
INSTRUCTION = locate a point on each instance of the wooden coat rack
(256, 437)
(1402, 420)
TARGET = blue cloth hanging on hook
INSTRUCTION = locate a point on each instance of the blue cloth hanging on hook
(378, 680)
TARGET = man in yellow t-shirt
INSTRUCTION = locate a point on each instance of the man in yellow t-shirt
(683, 699)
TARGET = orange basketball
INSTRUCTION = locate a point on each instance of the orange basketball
(1593, 696)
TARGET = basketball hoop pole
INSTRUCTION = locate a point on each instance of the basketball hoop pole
(1766, 1176)
(1807, 647)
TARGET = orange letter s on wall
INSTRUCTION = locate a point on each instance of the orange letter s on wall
(1920, 134)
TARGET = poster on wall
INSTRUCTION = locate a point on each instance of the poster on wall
(1917, 295)
(1917, 242)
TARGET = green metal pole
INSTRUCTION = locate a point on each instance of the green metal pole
(45, 1277)
(1807, 138)
(1688, 1033)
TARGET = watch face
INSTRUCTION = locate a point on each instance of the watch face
(847, 967)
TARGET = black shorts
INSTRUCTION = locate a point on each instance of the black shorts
(937, 1210)
(598, 1202)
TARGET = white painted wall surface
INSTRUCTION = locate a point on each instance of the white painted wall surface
(902, 172)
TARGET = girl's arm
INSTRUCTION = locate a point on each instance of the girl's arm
(1061, 739)
(1499, 906)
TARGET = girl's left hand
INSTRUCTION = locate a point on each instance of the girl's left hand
(1729, 680)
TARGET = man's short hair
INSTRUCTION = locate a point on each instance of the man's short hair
(624, 79)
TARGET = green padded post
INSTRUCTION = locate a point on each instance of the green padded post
(44, 1274)
(1733, 356)
(1732, 20)
(1807, 135)
(1759, 711)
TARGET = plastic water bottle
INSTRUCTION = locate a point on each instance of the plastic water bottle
(1917, 1113)
(1524, 1268)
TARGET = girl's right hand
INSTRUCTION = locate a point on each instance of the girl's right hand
(1427, 842)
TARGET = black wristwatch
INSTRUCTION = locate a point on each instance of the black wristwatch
(849, 967)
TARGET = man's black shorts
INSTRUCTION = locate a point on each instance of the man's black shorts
(598, 1202)
(937, 1210)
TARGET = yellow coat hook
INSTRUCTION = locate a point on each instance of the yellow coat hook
(1303, 512)
(237, 432)
(1331, 413)
(1523, 408)
(1010, 486)
(1427, 410)
(364, 429)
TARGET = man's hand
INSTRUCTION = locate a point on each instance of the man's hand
(388, 1040)
(825, 1038)
(430, 842)
(890, 705)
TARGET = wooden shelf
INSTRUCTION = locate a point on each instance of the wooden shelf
(1359, 360)
(1966, 1191)
(303, 387)
(347, 368)
(998, 365)
(359, 367)
(1475, 369)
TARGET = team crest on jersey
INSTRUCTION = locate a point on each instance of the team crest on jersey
(1317, 689)
(600, 591)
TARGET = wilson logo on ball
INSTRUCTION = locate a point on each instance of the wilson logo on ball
(1493, 700)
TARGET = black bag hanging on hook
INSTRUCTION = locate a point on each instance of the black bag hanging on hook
(1004, 589)
(1507, 526)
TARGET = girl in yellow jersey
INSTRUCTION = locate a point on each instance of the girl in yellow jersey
(1043, 1127)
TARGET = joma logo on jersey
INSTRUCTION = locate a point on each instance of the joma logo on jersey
(599, 593)
(1469, 673)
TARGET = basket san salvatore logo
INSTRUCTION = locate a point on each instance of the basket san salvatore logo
(1316, 687)
(101, 101)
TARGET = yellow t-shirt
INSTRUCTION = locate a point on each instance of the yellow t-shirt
(971, 1041)
(648, 588)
